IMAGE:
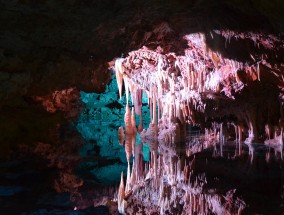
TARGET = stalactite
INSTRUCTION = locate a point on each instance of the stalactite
(154, 119)
(128, 146)
(281, 137)
(240, 139)
(151, 108)
(159, 109)
(180, 86)
(132, 90)
(121, 135)
(127, 121)
(215, 59)
(140, 127)
(134, 130)
(126, 85)
(186, 173)
(138, 101)
(119, 70)
(128, 133)
(221, 139)
(139, 161)
(258, 72)
(192, 78)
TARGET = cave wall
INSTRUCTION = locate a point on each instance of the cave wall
(103, 158)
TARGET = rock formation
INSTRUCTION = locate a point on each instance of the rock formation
(211, 66)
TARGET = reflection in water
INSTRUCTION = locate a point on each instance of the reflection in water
(191, 172)
(169, 180)
(206, 173)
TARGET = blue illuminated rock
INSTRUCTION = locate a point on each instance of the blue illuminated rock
(98, 124)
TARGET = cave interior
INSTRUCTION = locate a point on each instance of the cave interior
(141, 107)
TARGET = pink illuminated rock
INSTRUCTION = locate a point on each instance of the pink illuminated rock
(202, 86)
(66, 101)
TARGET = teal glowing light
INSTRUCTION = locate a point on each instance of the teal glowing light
(98, 125)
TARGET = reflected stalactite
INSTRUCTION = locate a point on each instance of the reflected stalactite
(120, 199)
(169, 177)
(195, 89)
(276, 143)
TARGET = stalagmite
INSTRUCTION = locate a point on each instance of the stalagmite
(267, 131)
(276, 143)
(120, 199)
(251, 134)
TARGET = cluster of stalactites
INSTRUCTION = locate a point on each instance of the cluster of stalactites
(164, 166)
(174, 82)
(176, 87)
(165, 170)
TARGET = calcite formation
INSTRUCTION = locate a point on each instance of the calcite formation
(207, 88)
(200, 82)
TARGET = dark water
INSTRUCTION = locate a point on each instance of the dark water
(258, 182)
